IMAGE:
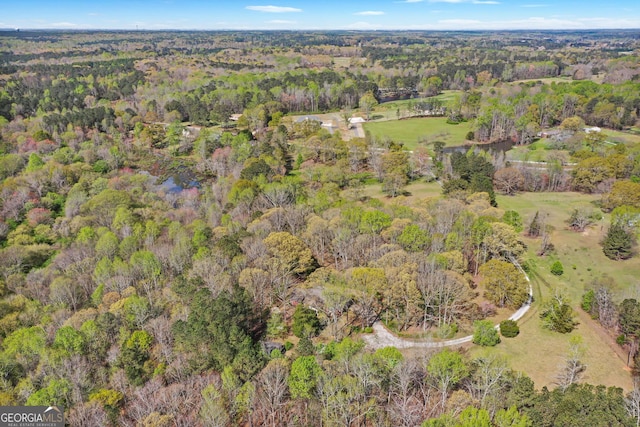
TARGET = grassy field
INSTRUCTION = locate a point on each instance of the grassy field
(580, 253)
(411, 131)
(445, 96)
(540, 353)
(535, 152)
(546, 80)
(415, 191)
(619, 136)
(584, 262)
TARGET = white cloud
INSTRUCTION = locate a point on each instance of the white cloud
(274, 9)
(410, 1)
(281, 21)
(370, 13)
(485, 2)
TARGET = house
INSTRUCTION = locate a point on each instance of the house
(354, 120)
(235, 117)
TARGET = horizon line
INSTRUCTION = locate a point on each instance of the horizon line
(566, 30)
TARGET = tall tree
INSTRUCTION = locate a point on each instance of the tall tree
(504, 284)
(618, 243)
(447, 368)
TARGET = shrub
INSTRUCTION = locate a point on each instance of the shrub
(509, 328)
(587, 300)
(557, 269)
(448, 330)
(485, 334)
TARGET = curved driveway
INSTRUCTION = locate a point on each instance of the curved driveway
(381, 337)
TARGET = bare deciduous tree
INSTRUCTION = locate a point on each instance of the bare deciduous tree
(272, 394)
(572, 368)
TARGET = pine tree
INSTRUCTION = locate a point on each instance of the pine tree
(618, 243)
(534, 226)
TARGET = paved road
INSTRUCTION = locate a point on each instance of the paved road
(381, 337)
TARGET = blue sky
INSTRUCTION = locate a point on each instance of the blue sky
(323, 15)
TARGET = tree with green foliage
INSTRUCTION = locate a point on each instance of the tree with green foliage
(535, 226)
(447, 368)
(510, 417)
(557, 315)
(588, 301)
(69, 341)
(374, 221)
(147, 268)
(223, 331)
(303, 378)
(25, 345)
(35, 162)
(485, 334)
(292, 251)
(623, 193)
(627, 216)
(504, 284)
(134, 356)
(618, 243)
(579, 405)
(367, 102)
(255, 168)
(305, 322)
(413, 238)
(57, 391)
(514, 219)
(111, 400)
(629, 317)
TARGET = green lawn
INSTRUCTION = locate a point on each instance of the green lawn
(410, 131)
(534, 152)
(445, 96)
(580, 253)
(539, 353)
(619, 136)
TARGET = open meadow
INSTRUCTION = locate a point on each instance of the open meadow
(579, 252)
(584, 262)
(415, 131)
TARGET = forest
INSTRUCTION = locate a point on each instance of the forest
(195, 230)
